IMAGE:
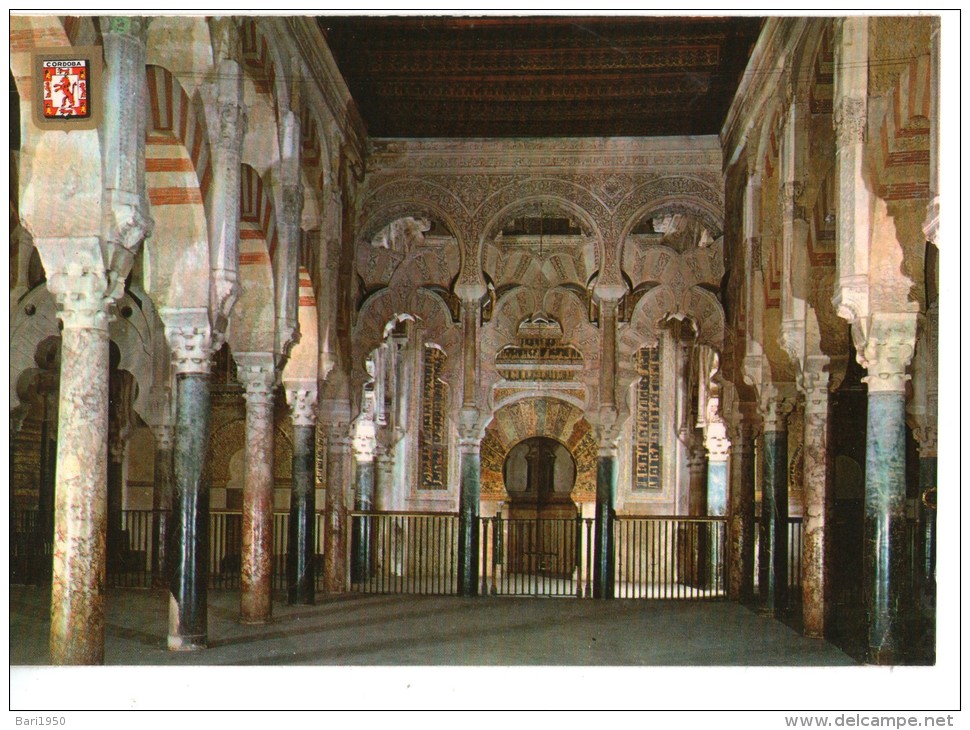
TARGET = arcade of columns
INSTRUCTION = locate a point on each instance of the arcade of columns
(678, 313)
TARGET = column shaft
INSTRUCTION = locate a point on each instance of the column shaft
(604, 558)
(817, 477)
(773, 542)
(741, 548)
(363, 502)
(300, 557)
(334, 556)
(885, 523)
(468, 532)
(161, 512)
(188, 610)
(257, 511)
(80, 499)
(115, 486)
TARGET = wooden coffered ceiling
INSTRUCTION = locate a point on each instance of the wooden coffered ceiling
(541, 76)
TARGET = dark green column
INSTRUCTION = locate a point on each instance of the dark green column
(604, 558)
(773, 527)
(300, 555)
(188, 617)
(363, 502)
(468, 532)
(885, 524)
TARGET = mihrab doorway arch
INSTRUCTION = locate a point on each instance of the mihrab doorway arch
(539, 474)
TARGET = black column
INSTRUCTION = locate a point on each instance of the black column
(188, 622)
(300, 557)
(468, 537)
(773, 535)
(604, 559)
(363, 502)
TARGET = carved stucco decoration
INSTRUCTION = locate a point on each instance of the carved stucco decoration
(547, 417)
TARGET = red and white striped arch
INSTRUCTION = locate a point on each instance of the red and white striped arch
(177, 174)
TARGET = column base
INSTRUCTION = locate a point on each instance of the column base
(254, 621)
(187, 643)
(882, 657)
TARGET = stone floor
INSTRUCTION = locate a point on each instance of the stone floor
(395, 630)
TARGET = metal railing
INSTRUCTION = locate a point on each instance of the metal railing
(670, 557)
(403, 552)
(796, 532)
(131, 567)
(536, 557)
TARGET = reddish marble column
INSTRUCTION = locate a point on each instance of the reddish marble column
(741, 534)
(80, 497)
(338, 478)
(817, 481)
(257, 373)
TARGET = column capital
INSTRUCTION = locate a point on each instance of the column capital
(164, 437)
(777, 401)
(80, 287)
(302, 400)
(889, 345)
(257, 373)
(133, 26)
(189, 337)
(813, 383)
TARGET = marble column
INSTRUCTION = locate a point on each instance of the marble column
(817, 480)
(773, 538)
(697, 485)
(469, 445)
(468, 507)
(116, 461)
(886, 355)
(363, 502)
(301, 545)
(162, 504)
(257, 373)
(47, 390)
(190, 340)
(604, 554)
(926, 514)
(338, 477)
(80, 496)
(741, 534)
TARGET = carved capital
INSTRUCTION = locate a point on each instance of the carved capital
(814, 384)
(189, 338)
(303, 405)
(850, 119)
(888, 351)
(777, 402)
(164, 437)
(257, 373)
(135, 26)
(81, 289)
